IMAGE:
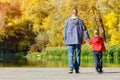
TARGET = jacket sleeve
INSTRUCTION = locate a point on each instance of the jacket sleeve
(65, 31)
(85, 31)
(91, 41)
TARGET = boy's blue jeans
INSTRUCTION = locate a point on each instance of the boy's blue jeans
(98, 60)
(74, 50)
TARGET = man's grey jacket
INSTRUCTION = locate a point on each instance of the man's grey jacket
(73, 32)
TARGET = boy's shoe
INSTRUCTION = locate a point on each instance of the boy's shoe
(77, 71)
(101, 71)
(97, 70)
(70, 71)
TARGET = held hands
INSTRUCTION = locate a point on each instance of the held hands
(105, 53)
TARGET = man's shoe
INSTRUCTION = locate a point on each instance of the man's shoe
(70, 71)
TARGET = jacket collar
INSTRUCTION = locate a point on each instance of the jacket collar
(74, 17)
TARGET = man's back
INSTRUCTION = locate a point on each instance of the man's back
(74, 31)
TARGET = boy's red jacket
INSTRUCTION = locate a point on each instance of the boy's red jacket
(97, 44)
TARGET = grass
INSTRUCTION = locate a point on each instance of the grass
(59, 52)
(58, 56)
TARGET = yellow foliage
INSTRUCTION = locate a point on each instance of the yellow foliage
(49, 16)
(112, 24)
(115, 38)
(67, 5)
(2, 31)
(111, 20)
(46, 24)
(10, 24)
(36, 28)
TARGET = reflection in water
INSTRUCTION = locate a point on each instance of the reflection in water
(14, 62)
(55, 62)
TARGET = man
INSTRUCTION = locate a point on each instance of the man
(73, 38)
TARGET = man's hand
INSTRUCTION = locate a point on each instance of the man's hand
(66, 45)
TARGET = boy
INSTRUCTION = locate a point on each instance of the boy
(98, 47)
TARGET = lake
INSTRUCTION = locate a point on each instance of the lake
(55, 62)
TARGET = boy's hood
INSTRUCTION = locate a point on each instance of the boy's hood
(97, 39)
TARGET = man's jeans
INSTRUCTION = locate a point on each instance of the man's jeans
(98, 60)
(74, 51)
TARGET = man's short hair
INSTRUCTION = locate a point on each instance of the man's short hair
(75, 10)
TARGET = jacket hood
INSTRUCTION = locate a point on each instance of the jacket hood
(75, 20)
(97, 39)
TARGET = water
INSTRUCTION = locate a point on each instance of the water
(55, 62)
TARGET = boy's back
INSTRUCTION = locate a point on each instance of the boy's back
(97, 43)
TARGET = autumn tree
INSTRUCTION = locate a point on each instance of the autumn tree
(15, 31)
(111, 10)
(36, 24)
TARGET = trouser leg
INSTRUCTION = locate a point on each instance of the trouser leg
(96, 60)
(70, 56)
(100, 61)
(77, 56)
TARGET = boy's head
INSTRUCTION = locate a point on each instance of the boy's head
(96, 32)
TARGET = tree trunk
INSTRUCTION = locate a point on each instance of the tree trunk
(102, 27)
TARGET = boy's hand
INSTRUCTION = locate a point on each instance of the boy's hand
(105, 53)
